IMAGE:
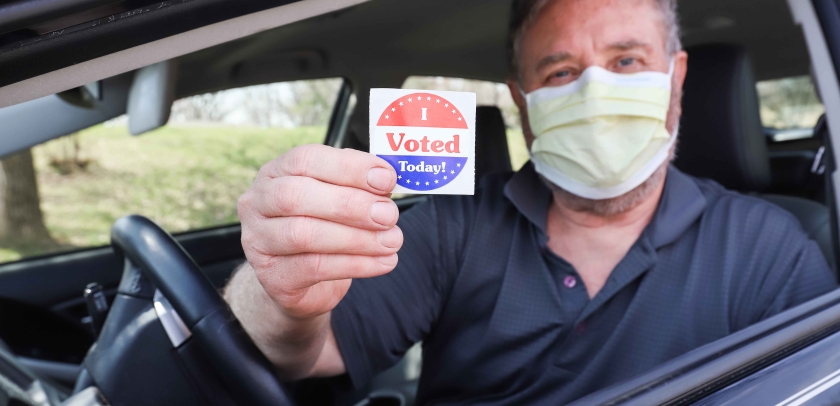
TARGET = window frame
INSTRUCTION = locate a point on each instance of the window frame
(342, 109)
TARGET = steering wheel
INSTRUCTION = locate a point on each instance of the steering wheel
(156, 265)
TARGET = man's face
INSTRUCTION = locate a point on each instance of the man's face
(568, 36)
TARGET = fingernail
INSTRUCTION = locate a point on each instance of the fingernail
(379, 179)
(391, 238)
(390, 260)
(384, 213)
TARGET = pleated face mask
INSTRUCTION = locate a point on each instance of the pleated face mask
(602, 135)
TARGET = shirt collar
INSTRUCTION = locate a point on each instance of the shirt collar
(530, 196)
(681, 204)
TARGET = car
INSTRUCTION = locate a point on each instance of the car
(114, 246)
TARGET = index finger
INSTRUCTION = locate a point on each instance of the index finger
(343, 167)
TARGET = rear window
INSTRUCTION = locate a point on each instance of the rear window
(787, 105)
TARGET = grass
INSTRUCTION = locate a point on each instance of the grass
(183, 177)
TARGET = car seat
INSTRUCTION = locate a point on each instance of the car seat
(491, 147)
(722, 137)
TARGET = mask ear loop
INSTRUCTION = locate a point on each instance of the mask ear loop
(671, 78)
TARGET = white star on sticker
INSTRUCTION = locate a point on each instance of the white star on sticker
(409, 99)
(400, 176)
(438, 100)
(400, 103)
(459, 118)
(428, 99)
(386, 117)
(417, 183)
(453, 111)
(393, 109)
(408, 181)
(459, 165)
(444, 178)
(436, 181)
(427, 183)
(453, 172)
(446, 105)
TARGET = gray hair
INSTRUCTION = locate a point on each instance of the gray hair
(524, 12)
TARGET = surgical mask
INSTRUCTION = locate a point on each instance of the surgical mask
(602, 135)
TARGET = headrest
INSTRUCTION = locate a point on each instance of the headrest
(491, 148)
(721, 135)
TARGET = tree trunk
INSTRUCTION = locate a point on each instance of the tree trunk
(22, 217)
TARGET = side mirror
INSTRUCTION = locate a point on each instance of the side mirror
(151, 96)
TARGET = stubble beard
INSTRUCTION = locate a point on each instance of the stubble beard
(609, 207)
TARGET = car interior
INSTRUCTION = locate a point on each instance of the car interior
(732, 45)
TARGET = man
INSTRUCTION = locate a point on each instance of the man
(593, 264)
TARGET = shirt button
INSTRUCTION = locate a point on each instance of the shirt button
(570, 281)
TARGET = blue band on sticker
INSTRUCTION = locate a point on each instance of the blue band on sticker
(423, 173)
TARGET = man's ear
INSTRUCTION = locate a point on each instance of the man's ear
(522, 105)
(516, 94)
(680, 68)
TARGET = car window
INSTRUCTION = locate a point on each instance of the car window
(486, 94)
(790, 107)
(65, 194)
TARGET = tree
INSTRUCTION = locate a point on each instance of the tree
(312, 101)
(209, 107)
(22, 220)
(789, 102)
(299, 103)
(263, 104)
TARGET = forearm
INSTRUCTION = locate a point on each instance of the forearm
(298, 348)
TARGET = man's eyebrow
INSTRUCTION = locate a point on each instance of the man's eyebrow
(552, 59)
(628, 45)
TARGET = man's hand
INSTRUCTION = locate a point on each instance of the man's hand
(315, 218)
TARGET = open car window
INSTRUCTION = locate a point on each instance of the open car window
(65, 194)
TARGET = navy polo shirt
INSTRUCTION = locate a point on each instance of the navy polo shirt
(504, 320)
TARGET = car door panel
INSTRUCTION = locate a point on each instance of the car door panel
(811, 374)
(41, 303)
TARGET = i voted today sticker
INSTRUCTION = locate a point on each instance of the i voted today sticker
(428, 136)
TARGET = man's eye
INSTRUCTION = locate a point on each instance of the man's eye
(561, 74)
(626, 62)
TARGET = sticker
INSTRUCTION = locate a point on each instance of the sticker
(428, 136)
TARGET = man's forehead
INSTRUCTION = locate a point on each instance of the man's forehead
(595, 6)
(567, 25)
